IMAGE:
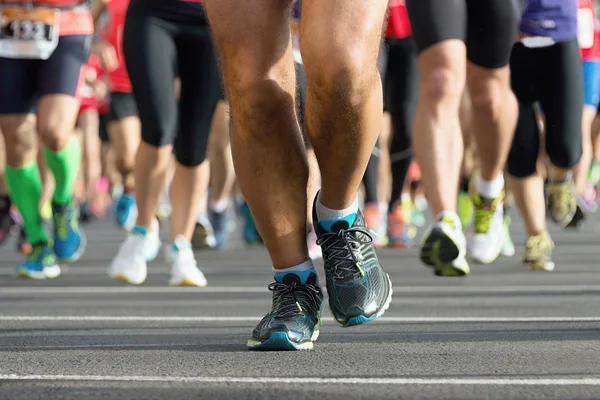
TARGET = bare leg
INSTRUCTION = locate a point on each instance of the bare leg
(222, 173)
(268, 152)
(494, 117)
(437, 139)
(347, 85)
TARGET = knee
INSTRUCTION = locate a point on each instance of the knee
(442, 87)
(565, 154)
(20, 140)
(159, 132)
(348, 76)
(55, 136)
(190, 155)
(489, 97)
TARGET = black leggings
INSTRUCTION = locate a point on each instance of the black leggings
(157, 49)
(371, 176)
(488, 27)
(553, 76)
(401, 95)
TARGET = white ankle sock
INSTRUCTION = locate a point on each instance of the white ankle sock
(489, 189)
(324, 213)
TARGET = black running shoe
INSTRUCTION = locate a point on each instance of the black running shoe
(294, 319)
(359, 289)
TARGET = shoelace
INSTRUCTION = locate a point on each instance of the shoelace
(294, 299)
(562, 198)
(483, 217)
(61, 221)
(539, 245)
(343, 248)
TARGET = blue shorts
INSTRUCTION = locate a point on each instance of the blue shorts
(24, 81)
(591, 83)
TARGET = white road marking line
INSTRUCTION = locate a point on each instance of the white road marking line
(310, 380)
(81, 318)
(261, 289)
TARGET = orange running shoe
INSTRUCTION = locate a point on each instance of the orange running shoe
(397, 224)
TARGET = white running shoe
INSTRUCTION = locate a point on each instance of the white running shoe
(131, 262)
(184, 269)
(486, 236)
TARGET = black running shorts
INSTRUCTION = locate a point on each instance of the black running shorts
(24, 81)
(488, 27)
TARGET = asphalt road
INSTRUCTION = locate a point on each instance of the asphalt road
(504, 332)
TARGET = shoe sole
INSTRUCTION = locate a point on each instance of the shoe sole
(188, 282)
(577, 219)
(123, 278)
(48, 273)
(361, 319)
(279, 341)
(540, 265)
(438, 252)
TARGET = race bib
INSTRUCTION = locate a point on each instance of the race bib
(28, 33)
(585, 35)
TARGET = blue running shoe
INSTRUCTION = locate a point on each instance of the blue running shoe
(220, 225)
(295, 315)
(41, 263)
(126, 212)
(250, 232)
(359, 289)
(69, 240)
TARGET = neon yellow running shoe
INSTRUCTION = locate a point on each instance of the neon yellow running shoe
(562, 201)
(538, 252)
(508, 250)
(444, 248)
(465, 209)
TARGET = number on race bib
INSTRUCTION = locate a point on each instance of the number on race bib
(28, 33)
(586, 23)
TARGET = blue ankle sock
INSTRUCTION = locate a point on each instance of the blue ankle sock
(302, 271)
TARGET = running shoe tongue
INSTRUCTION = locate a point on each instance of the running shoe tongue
(291, 278)
(339, 225)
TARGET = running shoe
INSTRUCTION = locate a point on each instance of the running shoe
(508, 250)
(131, 262)
(250, 233)
(69, 240)
(538, 252)
(486, 236)
(41, 263)
(184, 268)
(359, 289)
(220, 225)
(397, 228)
(293, 323)
(126, 211)
(465, 209)
(376, 223)
(86, 214)
(444, 248)
(562, 201)
(416, 216)
(203, 236)
(23, 245)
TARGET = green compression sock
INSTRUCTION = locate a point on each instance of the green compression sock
(25, 188)
(64, 165)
